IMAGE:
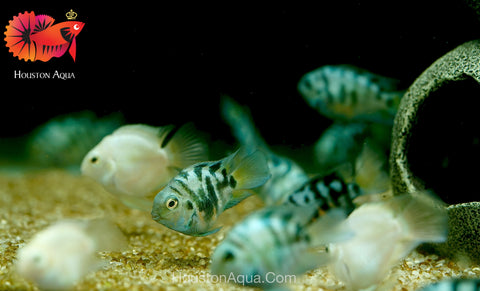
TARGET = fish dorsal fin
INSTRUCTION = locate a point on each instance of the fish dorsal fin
(185, 145)
(43, 22)
(142, 129)
(165, 134)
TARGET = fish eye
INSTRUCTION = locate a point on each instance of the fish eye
(94, 160)
(76, 27)
(308, 84)
(228, 256)
(172, 203)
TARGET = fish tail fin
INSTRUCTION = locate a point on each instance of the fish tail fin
(369, 173)
(425, 216)
(18, 35)
(250, 170)
(185, 145)
(240, 120)
(106, 235)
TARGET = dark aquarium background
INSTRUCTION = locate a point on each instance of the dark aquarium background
(170, 63)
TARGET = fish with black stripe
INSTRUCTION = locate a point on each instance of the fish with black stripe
(327, 192)
(192, 201)
(279, 240)
(348, 93)
(346, 187)
(454, 285)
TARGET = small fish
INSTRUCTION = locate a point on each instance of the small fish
(454, 285)
(61, 255)
(348, 93)
(192, 201)
(326, 192)
(35, 37)
(279, 240)
(384, 233)
(342, 142)
(137, 160)
(342, 188)
(64, 140)
(287, 175)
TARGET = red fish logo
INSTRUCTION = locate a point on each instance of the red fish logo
(35, 37)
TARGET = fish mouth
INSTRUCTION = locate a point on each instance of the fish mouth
(156, 216)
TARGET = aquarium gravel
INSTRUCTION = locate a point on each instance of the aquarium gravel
(157, 258)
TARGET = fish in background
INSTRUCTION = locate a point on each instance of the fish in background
(384, 233)
(58, 257)
(192, 201)
(346, 186)
(340, 143)
(286, 175)
(454, 285)
(278, 240)
(64, 140)
(326, 192)
(137, 160)
(351, 94)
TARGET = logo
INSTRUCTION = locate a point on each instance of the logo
(36, 38)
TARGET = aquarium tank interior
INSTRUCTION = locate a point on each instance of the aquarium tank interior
(240, 146)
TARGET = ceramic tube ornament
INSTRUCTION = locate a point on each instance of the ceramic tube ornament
(436, 143)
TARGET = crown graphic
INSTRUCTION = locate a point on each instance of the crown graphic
(71, 15)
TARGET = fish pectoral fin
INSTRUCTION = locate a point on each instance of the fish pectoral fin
(237, 197)
(174, 169)
(73, 48)
(209, 232)
(136, 202)
(330, 228)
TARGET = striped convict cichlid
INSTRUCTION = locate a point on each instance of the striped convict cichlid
(343, 188)
(283, 240)
(454, 285)
(348, 93)
(326, 192)
(192, 201)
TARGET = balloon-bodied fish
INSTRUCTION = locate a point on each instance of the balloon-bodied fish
(137, 160)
